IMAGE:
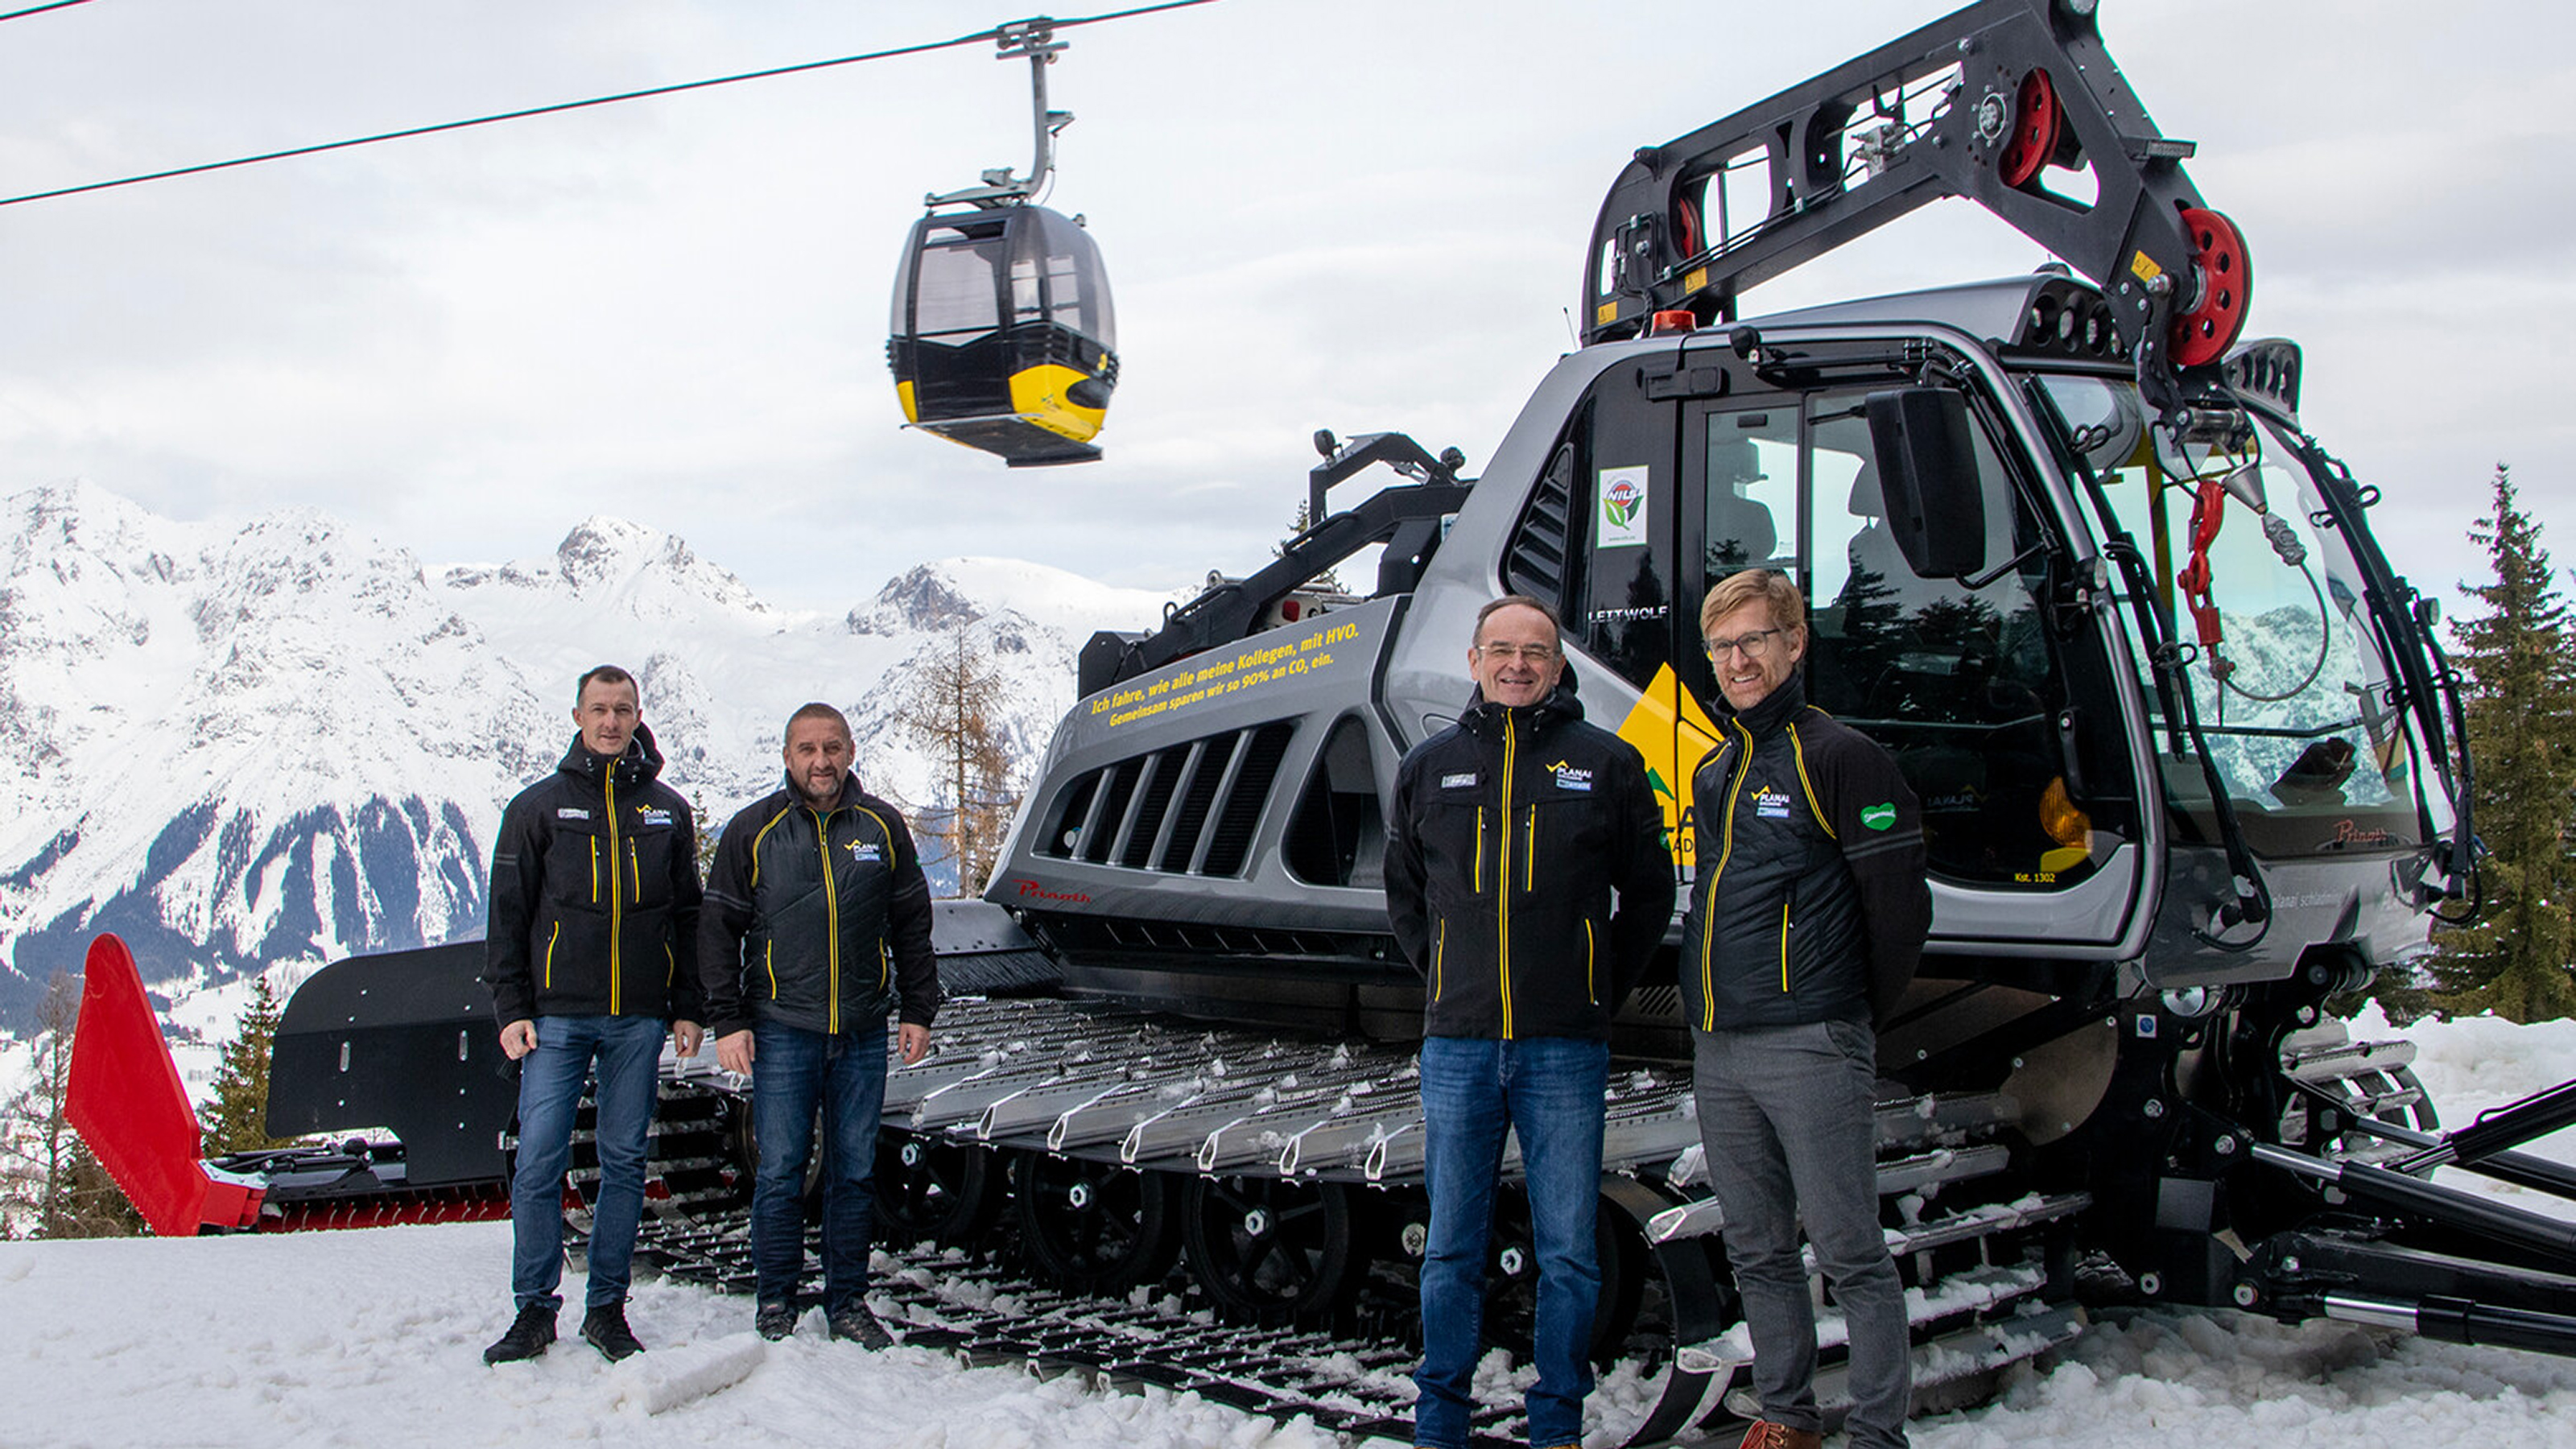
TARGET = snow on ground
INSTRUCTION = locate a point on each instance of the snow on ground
(374, 1338)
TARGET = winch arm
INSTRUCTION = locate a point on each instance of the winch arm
(2034, 90)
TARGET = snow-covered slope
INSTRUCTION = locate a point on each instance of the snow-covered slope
(281, 743)
(372, 1338)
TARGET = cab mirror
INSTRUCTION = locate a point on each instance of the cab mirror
(1927, 471)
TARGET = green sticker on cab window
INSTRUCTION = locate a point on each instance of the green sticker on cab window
(1878, 817)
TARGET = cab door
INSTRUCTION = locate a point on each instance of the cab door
(2006, 725)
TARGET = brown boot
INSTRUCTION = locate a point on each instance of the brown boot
(1766, 1435)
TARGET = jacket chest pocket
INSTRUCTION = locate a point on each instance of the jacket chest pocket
(1558, 832)
(647, 865)
(1461, 841)
(580, 872)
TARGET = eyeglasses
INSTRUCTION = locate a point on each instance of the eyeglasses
(1527, 653)
(1754, 644)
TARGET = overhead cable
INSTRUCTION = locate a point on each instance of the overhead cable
(40, 9)
(518, 115)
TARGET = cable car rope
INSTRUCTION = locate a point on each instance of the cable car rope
(40, 9)
(726, 80)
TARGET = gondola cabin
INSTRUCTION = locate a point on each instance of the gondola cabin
(1003, 336)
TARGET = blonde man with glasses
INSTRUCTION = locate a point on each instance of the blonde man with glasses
(1803, 928)
(1528, 882)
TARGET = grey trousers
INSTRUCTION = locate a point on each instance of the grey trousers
(1787, 1115)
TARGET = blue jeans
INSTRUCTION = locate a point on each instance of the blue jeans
(793, 1073)
(628, 1051)
(1549, 1091)
(1789, 1118)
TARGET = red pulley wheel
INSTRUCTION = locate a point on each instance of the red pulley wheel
(2226, 270)
(2036, 119)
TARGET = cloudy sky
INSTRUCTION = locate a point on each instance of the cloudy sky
(1356, 214)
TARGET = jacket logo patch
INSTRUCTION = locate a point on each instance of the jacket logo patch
(1878, 817)
(866, 850)
(652, 815)
(571, 812)
(1570, 777)
(1770, 804)
(1459, 781)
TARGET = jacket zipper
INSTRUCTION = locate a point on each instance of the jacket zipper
(616, 903)
(1784, 948)
(1529, 856)
(1476, 873)
(831, 923)
(555, 936)
(593, 842)
(635, 868)
(1503, 877)
(1439, 955)
(1591, 987)
(1708, 900)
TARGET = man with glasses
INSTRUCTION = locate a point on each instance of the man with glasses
(1528, 881)
(1804, 925)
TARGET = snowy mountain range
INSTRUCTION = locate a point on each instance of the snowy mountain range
(247, 746)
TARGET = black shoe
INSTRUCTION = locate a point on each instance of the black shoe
(774, 1321)
(856, 1322)
(604, 1328)
(528, 1337)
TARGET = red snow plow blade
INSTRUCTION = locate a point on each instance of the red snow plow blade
(125, 1100)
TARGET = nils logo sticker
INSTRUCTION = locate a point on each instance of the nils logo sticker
(1625, 519)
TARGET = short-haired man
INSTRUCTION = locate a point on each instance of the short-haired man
(1805, 923)
(591, 954)
(817, 923)
(1527, 880)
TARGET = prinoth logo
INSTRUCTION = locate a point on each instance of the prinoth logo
(1031, 891)
(1674, 734)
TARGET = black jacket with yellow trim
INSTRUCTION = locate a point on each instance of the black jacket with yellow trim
(1810, 902)
(818, 919)
(594, 900)
(1515, 831)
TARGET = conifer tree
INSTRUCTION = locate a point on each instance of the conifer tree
(2521, 711)
(235, 1118)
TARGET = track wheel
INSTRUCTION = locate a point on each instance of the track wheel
(1093, 1227)
(935, 1188)
(1511, 1280)
(1268, 1250)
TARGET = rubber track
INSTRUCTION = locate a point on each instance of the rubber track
(985, 1317)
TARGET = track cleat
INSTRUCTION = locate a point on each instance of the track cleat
(1766, 1435)
(774, 1321)
(604, 1328)
(857, 1323)
(529, 1335)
